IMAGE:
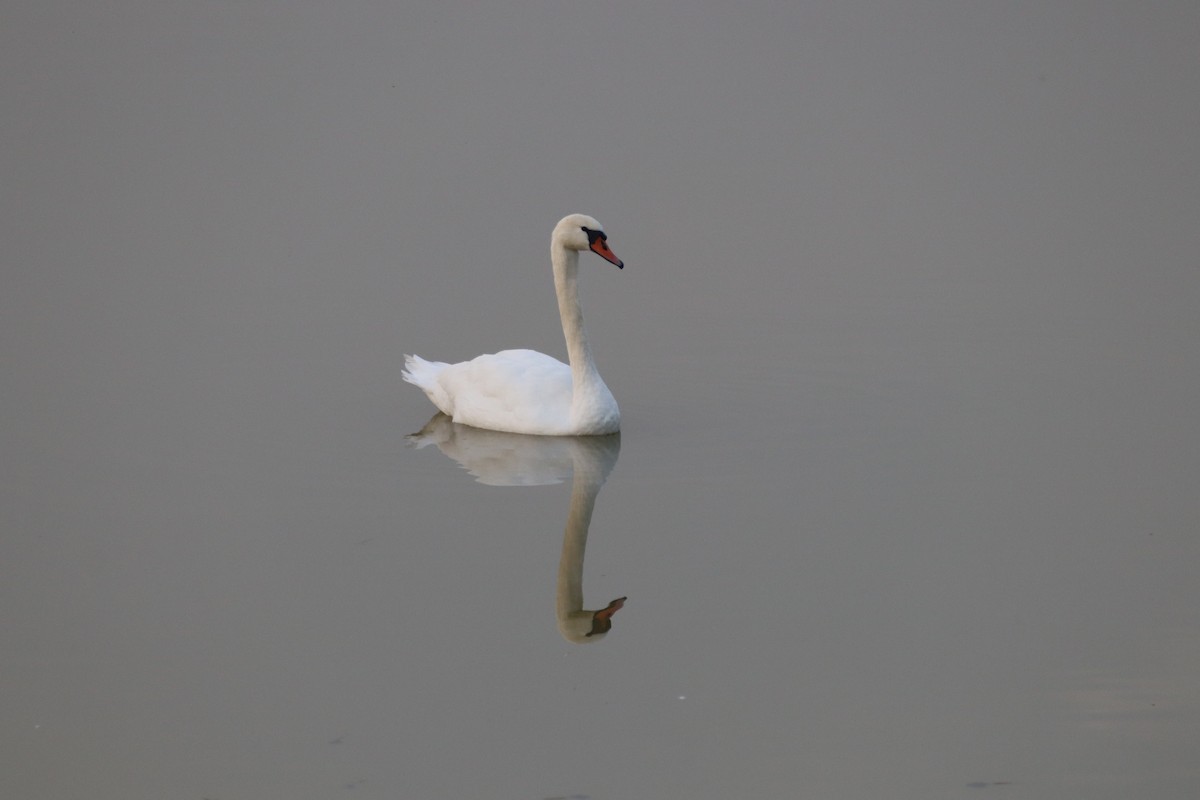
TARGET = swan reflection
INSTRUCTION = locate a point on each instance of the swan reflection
(510, 459)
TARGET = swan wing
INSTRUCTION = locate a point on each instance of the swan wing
(521, 391)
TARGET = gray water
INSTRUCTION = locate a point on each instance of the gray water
(904, 502)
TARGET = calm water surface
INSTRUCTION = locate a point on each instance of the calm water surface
(904, 504)
(911, 568)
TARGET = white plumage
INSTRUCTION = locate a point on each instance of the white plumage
(524, 391)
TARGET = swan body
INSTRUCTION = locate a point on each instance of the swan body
(524, 391)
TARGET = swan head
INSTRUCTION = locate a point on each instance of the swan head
(586, 627)
(581, 232)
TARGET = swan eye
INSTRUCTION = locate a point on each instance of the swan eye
(594, 235)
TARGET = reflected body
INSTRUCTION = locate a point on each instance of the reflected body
(524, 391)
(504, 459)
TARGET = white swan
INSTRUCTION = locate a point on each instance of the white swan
(523, 391)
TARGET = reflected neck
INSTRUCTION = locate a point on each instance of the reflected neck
(573, 621)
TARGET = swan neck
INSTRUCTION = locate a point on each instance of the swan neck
(566, 285)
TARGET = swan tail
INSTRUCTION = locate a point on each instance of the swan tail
(424, 375)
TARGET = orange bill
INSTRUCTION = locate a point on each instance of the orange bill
(600, 247)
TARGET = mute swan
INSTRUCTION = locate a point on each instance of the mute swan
(523, 391)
